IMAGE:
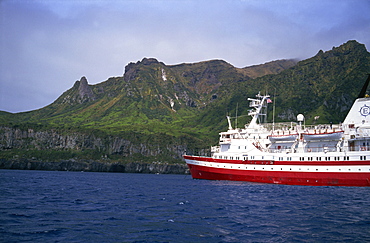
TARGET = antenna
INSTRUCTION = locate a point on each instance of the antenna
(236, 116)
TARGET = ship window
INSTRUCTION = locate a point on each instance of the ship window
(364, 157)
(238, 147)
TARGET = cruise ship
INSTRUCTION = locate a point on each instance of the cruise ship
(292, 153)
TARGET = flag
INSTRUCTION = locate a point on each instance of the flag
(269, 100)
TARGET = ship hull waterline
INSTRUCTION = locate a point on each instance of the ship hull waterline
(302, 178)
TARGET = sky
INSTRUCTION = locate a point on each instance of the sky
(47, 45)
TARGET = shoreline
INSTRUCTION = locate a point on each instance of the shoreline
(95, 166)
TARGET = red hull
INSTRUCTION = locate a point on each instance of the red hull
(282, 177)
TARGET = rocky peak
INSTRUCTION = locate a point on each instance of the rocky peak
(351, 46)
(132, 69)
(84, 90)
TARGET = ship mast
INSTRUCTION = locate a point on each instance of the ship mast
(257, 104)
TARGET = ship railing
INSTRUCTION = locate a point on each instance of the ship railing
(324, 128)
(295, 127)
(321, 149)
(359, 148)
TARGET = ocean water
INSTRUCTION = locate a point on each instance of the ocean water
(45, 206)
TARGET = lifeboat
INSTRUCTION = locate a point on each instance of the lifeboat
(323, 136)
(283, 138)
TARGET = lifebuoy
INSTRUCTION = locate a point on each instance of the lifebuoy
(308, 150)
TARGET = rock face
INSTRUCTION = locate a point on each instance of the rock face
(15, 138)
(93, 166)
(52, 140)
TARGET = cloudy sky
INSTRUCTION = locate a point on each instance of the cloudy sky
(46, 45)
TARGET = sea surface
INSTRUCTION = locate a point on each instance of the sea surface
(52, 206)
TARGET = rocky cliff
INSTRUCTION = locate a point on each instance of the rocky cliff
(53, 150)
(15, 138)
(94, 166)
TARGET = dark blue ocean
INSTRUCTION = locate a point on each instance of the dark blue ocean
(45, 206)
